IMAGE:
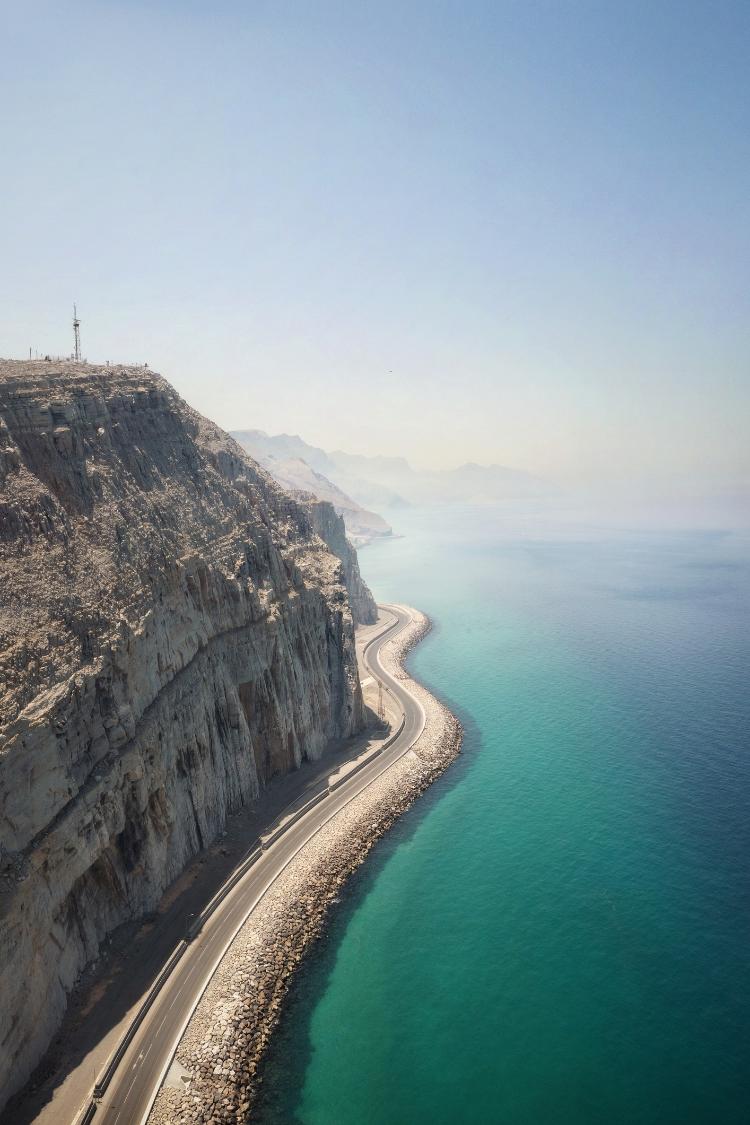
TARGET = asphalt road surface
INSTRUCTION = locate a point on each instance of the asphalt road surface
(134, 1086)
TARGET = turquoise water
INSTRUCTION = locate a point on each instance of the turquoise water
(558, 931)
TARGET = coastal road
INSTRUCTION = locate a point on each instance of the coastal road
(138, 1078)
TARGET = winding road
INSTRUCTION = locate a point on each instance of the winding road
(138, 1078)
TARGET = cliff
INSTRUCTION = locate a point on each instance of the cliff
(331, 528)
(173, 632)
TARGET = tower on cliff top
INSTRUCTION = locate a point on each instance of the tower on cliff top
(77, 333)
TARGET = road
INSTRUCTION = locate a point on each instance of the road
(136, 1082)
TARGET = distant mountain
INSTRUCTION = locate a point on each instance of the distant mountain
(390, 482)
(479, 484)
(284, 447)
(281, 456)
(356, 463)
(395, 477)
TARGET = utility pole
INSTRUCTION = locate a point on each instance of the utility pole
(77, 334)
(381, 705)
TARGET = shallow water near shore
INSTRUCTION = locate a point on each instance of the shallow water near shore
(558, 931)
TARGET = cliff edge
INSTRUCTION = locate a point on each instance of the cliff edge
(173, 633)
(331, 528)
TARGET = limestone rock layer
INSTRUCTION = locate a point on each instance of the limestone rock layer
(173, 633)
(331, 527)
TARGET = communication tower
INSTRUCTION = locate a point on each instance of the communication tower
(77, 334)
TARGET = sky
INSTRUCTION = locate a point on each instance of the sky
(511, 232)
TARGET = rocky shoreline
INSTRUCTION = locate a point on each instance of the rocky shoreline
(221, 1051)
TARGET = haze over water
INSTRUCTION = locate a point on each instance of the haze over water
(558, 931)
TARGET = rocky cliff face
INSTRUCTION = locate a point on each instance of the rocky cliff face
(332, 530)
(173, 632)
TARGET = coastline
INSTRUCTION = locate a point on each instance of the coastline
(223, 1045)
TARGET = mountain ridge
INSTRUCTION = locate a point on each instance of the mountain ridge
(392, 482)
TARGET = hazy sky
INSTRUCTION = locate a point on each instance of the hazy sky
(513, 232)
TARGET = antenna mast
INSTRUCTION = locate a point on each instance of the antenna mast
(77, 333)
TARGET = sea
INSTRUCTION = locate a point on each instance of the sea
(559, 930)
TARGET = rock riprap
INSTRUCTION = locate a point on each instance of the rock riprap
(173, 633)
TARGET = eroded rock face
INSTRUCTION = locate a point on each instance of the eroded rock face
(331, 528)
(173, 633)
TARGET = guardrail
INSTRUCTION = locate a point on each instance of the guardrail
(89, 1114)
(195, 927)
(369, 758)
(104, 1079)
(273, 835)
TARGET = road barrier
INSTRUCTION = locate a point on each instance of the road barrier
(370, 758)
(272, 837)
(88, 1114)
(105, 1078)
(195, 927)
